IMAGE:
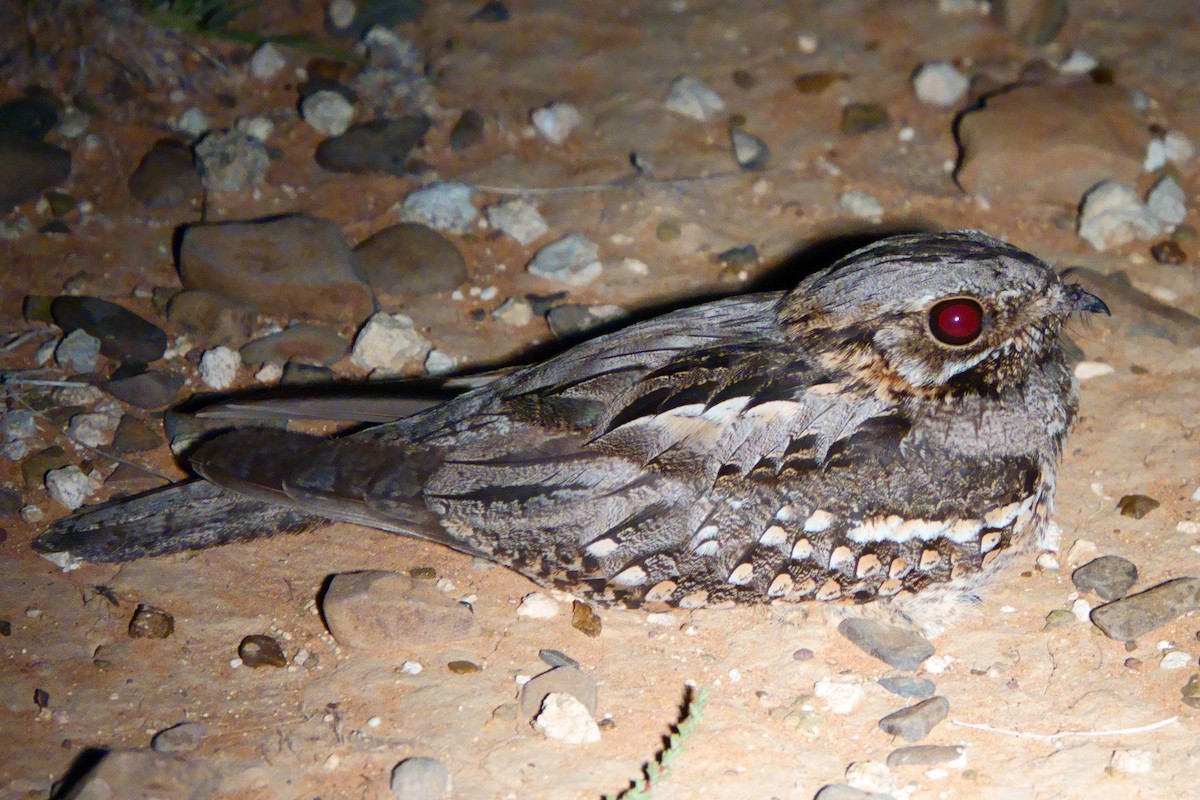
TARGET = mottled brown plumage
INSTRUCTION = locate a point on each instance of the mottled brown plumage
(891, 425)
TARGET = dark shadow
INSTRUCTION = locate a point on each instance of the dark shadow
(84, 763)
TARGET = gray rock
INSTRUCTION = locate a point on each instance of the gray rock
(10, 504)
(572, 259)
(903, 648)
(1113, 215)
(124, 336)
(572, 319)
(381, 145)
(18, 424)
(134, 436)
(387, 612)
(411, 258)
(194, 122)
(231, 161)
(915, 722)
(1138, 614)
(749, 151)
(420, 778)
(560, 680)
(1167, 202)
(556, 121)
(300, 343)
(327, 112)
(29, 167)
(145, 774)
(94, 430)
(1109, 577)
(925, 755)
(78, 351)
(293, 266)
(444, 206)
(518, 218)
(389, 344)
(182, 738)
(267, 62)
(166, 177)
(555, 658)
(939, 83)
(841, 791)
(468, 131)
(129, 479)
(691, 98)
(910, 685)
(70, 486)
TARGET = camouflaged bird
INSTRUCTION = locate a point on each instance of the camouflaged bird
(891, 425)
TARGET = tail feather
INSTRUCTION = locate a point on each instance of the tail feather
(187, 516)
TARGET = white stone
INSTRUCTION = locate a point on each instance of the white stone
(439, 363)
(270, 373)
(636, 266)
(70, 486)
(194, 122)
(515, 311)
(259, 128)
(567, 720)
(74, 123)
(1177, 659)
(1132, 761)
(327, 112)
(94, 430)
(1178, 148)
(1086, 370)
(572, 259)
(444, 206)
(266, 62)
(1048, 562)
(862, 205)
(661, 618)
(691, 98)
(219, 367)
(1167, 201)
(1081, 552)
(388, 344)
(939, 83)
(1078, 63)
(1188, 527)
(31, 513)
(1082, 610)
(518, 218)
(1112, 215)
(936, 665)
(537, 605)
(807, 43)
(872, 776)
(556, 121)
(839, 696)
(341, 14)
(18, 423)
(412, 668)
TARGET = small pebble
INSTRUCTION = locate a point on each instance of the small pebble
(871, 776)
(565, 719)
(841, 697)
(518, 218)
(389, 344)
(667, 231)
(439, 363)
(515, 311)
(939, 83)
(327, 112)
(1113, 215)
(741, 256)
(557, 658)
(1168, 251)
(1132, 761)
(841, 791)
(572, 259)
(182, 738)
(94, 430)
(860, 118)
(902, 648)
(1060, 618)
(1133, 663)
(817, 82)
(537, 605)
(556, 121)
(70, 486)
(691, 98)
(1109, 577)
(803, 654)
(927, 755)
(468, 131)
(862, 205)
(149, 622)
(444, 206)
(1167, 201)
(420, 778)
(463, 667)
(1136, 505)
(914, 723)
(1190, 693)
(1087, 370)
(194, 122)
(258, 650)
(909, 686)
(585, 620)
(231, 161)
(266, 62)
(749, 151)
(1177, 659)
(219, 367)
(341, 14)
(78, 352)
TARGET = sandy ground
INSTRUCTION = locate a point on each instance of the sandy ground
(303, 732)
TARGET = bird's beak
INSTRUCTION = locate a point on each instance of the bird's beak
(1081, 300)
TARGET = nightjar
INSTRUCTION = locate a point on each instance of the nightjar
(890, 426)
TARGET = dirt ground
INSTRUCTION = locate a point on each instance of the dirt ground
(303, 731)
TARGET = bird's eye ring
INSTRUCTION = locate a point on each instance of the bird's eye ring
(956, 321)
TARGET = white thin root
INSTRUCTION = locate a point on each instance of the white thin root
(1050, 737)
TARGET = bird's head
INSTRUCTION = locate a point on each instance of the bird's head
(941, 315)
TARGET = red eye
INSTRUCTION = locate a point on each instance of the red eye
(957, 321)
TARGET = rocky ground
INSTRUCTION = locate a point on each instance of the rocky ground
(475, 184)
